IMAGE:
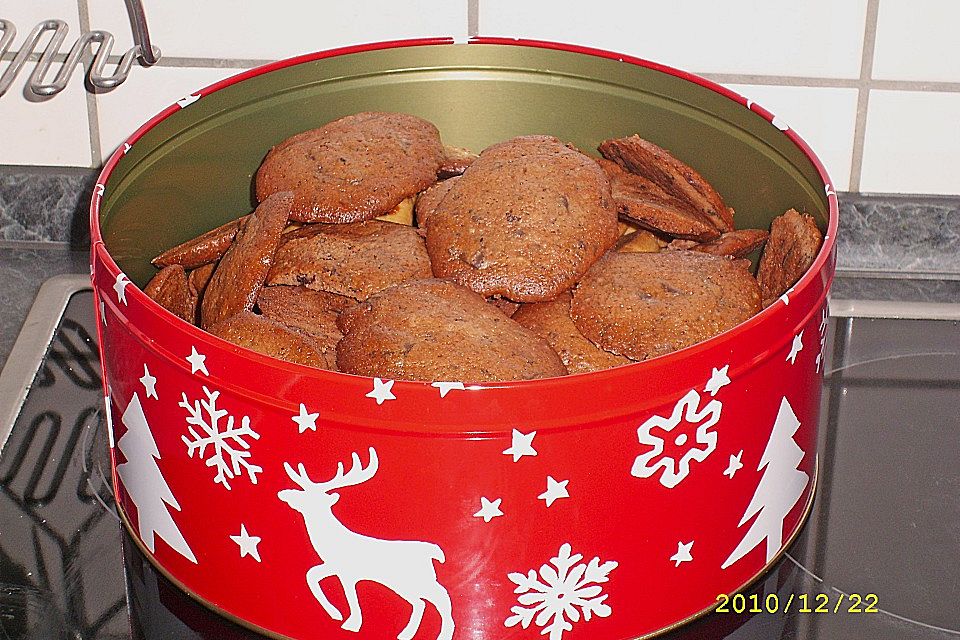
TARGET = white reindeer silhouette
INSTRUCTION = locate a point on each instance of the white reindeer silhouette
(403, 566)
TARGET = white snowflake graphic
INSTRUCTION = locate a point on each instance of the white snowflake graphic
(230, 449)
(562, 594)
(674, 471)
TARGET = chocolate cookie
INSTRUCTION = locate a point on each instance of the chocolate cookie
(653, 208)
(263, 335)
(525, 221)
(738, 244)
(204, 249)
(428, 200)
(355, 168)
(236, 281)
(643, 305)
(680, 180)
(438, 330)
(314, 312)
(793, 245)
(199, 278)
(171, 290)
(355, 260)
(277, 296)
(507, 307)
(551, 321)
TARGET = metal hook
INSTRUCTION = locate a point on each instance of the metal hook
(147, 53)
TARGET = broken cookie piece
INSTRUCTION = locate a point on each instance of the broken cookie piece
(794, 242)
(673, 176)
(171, 290)
(354, 260)
(204, 249)
(652, 208)
(266, 336)
(236, 281)
(551, 321)
(739, 243)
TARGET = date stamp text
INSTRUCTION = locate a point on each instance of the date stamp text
(798, 603)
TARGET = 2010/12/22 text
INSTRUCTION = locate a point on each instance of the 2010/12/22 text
(799, 603)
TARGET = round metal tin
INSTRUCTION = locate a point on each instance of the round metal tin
(606, 505)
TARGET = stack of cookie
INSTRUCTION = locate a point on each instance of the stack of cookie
(377, 250)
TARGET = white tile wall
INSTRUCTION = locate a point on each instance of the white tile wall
(55, 131)
(281, 28)
(820, 38)
(26, 14)
(918, 40)
(145, 93)
(824, 117)
(912, 143)
(802, 60)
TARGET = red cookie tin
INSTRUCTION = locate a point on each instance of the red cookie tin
(311, 504)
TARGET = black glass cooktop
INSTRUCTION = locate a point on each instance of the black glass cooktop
(879, 557)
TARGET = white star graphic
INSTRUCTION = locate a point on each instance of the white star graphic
(197, 362)
(735, 464)
(489, 509)
(555, 491)
(796, 348)
(306, 420)
(247, 543)
(120, 286)
(149, 383)
(683, 553)
(521, 445)
(717, 380)
(186, 101)
(785, 299)
(445, 387)
(382, 391)
(103, 313)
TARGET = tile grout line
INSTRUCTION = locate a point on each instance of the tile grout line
(204, 63)
(833, 83)
(473, 18)
(473, 30)
(863, 97)
(93, 118)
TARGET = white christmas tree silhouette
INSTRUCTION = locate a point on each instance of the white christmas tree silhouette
(145, 484)
(779, 490)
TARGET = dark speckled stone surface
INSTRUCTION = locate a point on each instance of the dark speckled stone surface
(877, 233)
(858, 286)
(900, 234)
(23, 268)
(45, 204)
(889, 247)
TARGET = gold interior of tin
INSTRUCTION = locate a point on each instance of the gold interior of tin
(193, 171)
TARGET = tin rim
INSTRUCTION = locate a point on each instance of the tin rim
(820, 267)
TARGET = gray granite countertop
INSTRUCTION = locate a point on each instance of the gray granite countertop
(904, 248)
(23, 268)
